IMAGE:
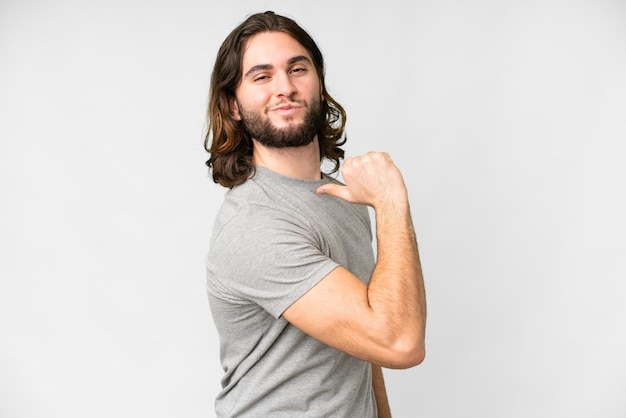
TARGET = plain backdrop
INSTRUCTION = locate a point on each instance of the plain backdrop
(507, 118)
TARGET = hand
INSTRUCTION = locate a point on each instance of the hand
(370, 179)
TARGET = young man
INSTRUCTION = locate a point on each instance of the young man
(305, 315)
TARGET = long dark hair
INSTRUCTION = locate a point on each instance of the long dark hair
(231, 147)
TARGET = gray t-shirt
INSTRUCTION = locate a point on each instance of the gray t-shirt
(274, 238)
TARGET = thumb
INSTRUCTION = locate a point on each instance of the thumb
(336, 190)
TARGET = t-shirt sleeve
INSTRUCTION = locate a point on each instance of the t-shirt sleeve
(269, 259)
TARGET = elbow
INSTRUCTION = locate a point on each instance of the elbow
(417, 357)
(410, 356)
(406, 354)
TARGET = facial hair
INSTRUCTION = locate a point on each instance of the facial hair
(261, 128)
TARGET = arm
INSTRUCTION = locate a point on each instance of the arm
(378, 383)
(383, 323)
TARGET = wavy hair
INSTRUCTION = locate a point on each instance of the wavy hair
(230, 146)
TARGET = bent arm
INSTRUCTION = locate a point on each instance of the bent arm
(383, 323)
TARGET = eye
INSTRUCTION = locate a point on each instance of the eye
(260, 78)
(299, 70)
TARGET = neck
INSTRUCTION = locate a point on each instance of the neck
(299, 162)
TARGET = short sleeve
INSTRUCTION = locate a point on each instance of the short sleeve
(266, 257)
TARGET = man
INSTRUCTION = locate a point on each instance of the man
(305, 315)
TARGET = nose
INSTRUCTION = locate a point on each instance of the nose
(284, 85)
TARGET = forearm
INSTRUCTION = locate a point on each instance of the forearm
(383, 322)
(396, 292)
(380, 392)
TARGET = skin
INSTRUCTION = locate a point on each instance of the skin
(280, 82)
(383, 323)
(380, 392)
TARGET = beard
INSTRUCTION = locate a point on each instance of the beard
(294, 134)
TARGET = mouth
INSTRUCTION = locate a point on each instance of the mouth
(287, 109)
(288, 105)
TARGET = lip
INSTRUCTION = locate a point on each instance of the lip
(287, 109)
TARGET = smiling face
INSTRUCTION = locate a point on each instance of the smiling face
(278, 98)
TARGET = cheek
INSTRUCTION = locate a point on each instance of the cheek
(252, 98)
(315, 89)
(259, 101)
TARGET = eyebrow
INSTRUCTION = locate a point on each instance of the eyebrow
(290, 61)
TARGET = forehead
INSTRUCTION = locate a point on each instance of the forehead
(271, 48)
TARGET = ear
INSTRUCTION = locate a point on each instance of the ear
(234, 108)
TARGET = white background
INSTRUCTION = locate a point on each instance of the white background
(507, 118)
